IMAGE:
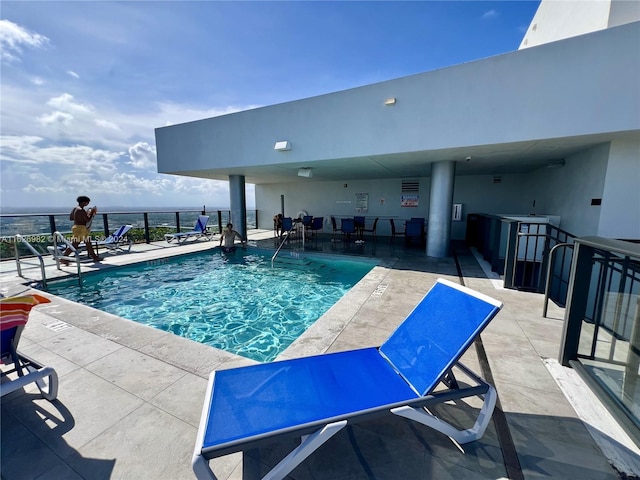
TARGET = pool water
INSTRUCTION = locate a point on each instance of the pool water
(236, 302)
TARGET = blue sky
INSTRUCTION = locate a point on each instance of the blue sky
(84, 83)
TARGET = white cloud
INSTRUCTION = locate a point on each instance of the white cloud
(28, 150)
(66, 103)
(56, 118)
(143, 156)
(490, 14)
(174, 113)
(107, 124)
(73, 74)
(130, 184)
(14, 37)
(189, 185)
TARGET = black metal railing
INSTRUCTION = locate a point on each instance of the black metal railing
(601, 336)
(148, 226)
(520, 252)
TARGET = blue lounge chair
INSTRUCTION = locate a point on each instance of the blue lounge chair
(199, 231)
(315, 397)
(117, 240)
(14, 314)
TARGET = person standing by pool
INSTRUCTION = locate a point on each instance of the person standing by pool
(80, 229)
(229, 235)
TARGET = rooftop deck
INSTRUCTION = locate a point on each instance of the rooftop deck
(130, 396)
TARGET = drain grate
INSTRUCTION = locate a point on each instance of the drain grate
(380, 289)
(57, 325)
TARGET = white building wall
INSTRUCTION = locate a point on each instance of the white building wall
(324, 199)
(623, 11)
(620, 211)
(559, 19)
(568, 191)
(481, 194)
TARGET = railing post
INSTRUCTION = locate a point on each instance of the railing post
(147, 237)
(177, 221)
(219, 221)
(52, 224)
(105, 224)
(542, 279)
(496, 231)
(15, 249)
(511, 255)
(581, 269)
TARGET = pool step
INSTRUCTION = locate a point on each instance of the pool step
(290, 261)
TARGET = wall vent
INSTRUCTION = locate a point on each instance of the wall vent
(497, 179)
(410, 186)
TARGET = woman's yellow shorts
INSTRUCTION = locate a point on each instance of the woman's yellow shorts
(80, 233)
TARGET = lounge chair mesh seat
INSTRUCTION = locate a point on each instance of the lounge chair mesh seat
(319, 395)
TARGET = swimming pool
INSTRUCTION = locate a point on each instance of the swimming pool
(235, 302)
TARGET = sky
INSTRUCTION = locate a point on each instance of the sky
(85, 83)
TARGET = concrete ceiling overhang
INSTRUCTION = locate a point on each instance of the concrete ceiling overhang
(497, 159)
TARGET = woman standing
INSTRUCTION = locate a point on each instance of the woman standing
(80, 230)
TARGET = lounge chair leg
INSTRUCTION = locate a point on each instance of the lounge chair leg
(309, 444)
(50, 391)
(201, 468)
(461, 436)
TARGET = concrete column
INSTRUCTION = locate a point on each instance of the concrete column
(238, 204)
(440, 207)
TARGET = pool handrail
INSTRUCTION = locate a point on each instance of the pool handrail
(286, 237)
(21, 239)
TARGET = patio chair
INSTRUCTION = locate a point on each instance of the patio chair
(347, 227)
(14, 314)
(371, 230)
(335, 229)
(117, 241)
(287, 226)
(394, 230)
(315, 397)
(316, 224)
(306, 220)
(199, 231)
